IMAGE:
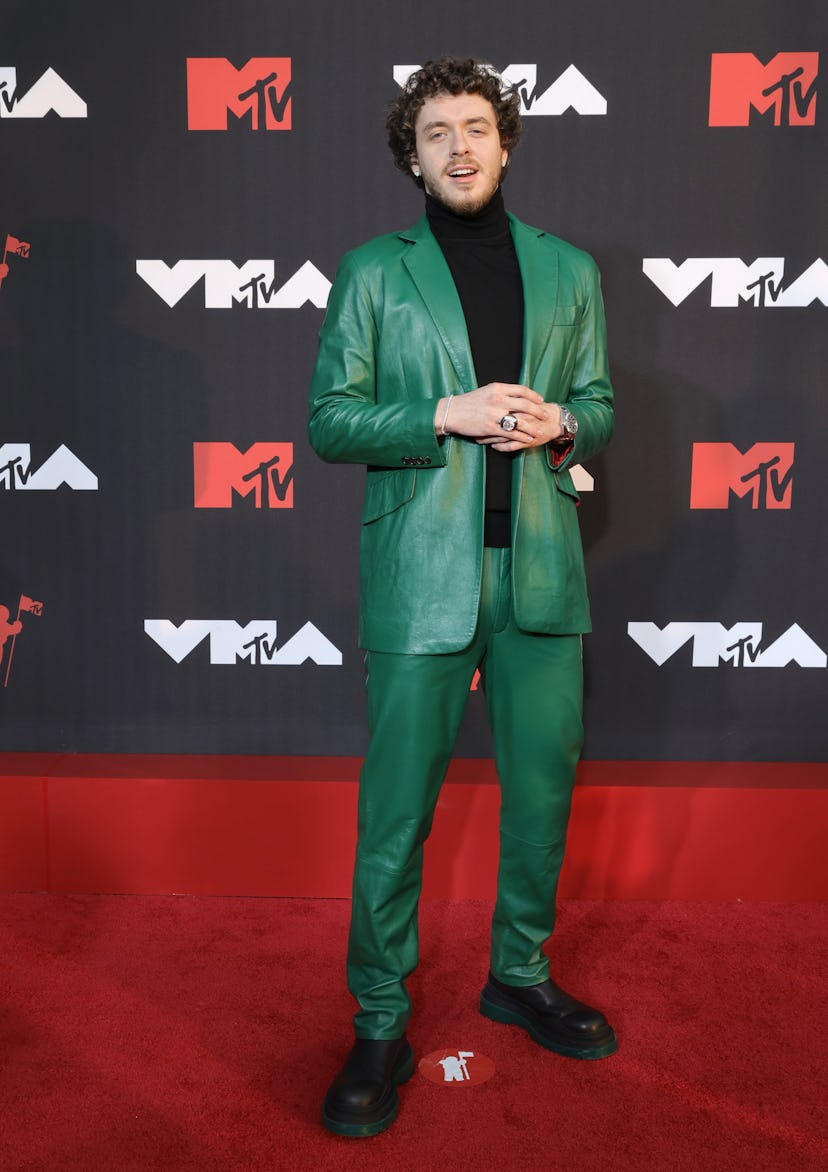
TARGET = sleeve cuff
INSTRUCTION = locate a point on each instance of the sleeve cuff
(558, 454)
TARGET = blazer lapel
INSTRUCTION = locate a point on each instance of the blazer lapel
(539, 270)
(430, 273)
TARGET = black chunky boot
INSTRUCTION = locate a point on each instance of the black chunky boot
(362, 1099)
(550, 1016)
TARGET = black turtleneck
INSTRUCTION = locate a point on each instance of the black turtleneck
(481, 256)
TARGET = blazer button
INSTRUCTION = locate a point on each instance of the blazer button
(427, 460)
(406, 460)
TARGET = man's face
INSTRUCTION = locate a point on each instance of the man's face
(458, 151)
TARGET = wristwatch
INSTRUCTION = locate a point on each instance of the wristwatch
(569, 424)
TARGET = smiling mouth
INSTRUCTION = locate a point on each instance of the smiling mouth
(462, 172)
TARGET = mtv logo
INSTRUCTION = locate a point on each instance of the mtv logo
(739, 82)
(222, 473)
(764, 472)
(258, 93)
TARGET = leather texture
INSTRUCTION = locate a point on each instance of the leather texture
(551, 1016)
(362, 1099)
(394, 340)
(533, 689)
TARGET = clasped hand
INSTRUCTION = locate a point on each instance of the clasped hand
(478, 413)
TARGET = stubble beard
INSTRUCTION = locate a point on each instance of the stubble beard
(466, 207)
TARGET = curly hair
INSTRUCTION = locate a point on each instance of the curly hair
(449, 75)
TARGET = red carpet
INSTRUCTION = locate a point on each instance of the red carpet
(142, 1033)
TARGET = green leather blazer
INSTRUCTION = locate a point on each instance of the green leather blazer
(394, 340)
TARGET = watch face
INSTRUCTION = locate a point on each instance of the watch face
(570, 423)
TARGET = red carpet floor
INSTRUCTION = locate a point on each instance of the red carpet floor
(141, 1033)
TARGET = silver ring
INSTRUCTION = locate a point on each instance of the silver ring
(509, 422)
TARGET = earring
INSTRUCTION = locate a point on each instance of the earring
(416, 172)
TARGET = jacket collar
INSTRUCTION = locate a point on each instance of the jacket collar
(538, 261)
(432, 277)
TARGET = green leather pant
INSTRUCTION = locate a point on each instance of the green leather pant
(534, 687)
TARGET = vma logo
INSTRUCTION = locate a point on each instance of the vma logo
(784, 89)
(255, 643)
(739, 645)
(571, 91)
(62, 467)
(764, 472)
(760, 284)
(252, 284)
(256, 96)
(223, 474)
(49, 94)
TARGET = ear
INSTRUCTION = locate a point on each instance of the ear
(415, 166)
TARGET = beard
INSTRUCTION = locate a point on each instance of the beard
(461, 202)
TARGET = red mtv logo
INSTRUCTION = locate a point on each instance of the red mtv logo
(265, 470)
(765, 471)
(18, 248)
(25, 604)
(787, 83)
(258, 92)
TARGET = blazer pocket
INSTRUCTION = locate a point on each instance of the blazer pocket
(567, 315)
(563, 482)
(387, 491)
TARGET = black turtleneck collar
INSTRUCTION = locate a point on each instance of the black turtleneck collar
(491, 221)
(480, 254)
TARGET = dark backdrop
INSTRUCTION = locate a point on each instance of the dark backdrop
(93, 358)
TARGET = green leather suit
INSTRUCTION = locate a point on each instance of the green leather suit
(434, 605)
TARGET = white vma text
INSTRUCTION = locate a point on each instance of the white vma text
(738, 646)
(49, 93)
(254, 643)
(62, 467)
(733, 282)
(570, 91)
(253, 283)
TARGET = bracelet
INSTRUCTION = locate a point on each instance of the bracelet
(445, 417)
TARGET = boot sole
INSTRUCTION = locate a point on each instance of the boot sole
(506, 1016)
(374, 1127)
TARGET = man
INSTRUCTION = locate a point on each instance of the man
(464, 362)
